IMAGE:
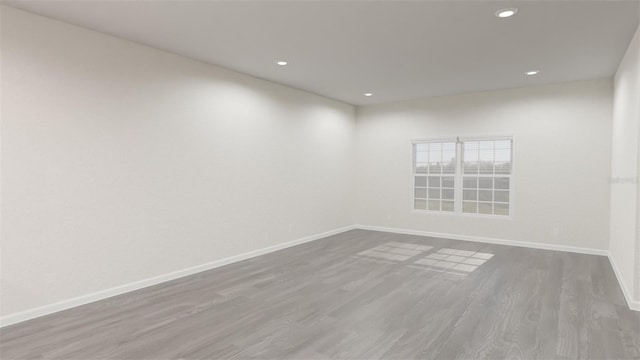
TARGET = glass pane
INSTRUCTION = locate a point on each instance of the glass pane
(434, 181)
(435, 156)
(502, 183)
(420, 204)
(485, 208)
(501, 196)
(486, 145)
(470, 168)
(436, 146)
(470, 145)
(470, 195)
(503, 168)
(470, 182)
(421, 157)
(502, 144)
(503, 155)
(501, 209)
(447, 206)
(486, 168)
(449, 162)
(421, 168)
(449, 168)
(434, 205)
(449, 146)
(421, 147)
(435, 168)
(447, 181)
(447, 194)
(470, 207)
(484, 195)
(420, 193)
(486, 155)
(434, 193)
(485, 182)
(421, 181)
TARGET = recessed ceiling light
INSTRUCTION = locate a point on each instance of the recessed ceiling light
(368, 94)
(505, 13)
(281, 63)
(532, 72)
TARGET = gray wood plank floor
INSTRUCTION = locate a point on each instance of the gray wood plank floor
(360, 294)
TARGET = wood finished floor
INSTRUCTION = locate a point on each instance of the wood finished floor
(338, 298)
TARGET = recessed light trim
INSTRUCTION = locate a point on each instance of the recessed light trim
(281, 63)
(532, 72)
(368, 94)
(505, 13)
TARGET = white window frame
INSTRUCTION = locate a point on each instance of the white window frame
(459, 177)
(413, 175)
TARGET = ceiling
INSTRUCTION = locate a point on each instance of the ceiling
(395, 50)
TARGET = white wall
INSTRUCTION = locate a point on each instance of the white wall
(562, 148)
(121, 162)
(625, 233)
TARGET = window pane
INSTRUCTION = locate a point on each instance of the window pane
(449, 168)
(470, 182)
(447, 206)
(503, 155)
(421, 168)
(447, 194)
(435, 168)
(485, 182)
(502, 183)
(435, 156)
(420, 204)
(434, 205)
(486, 145)
(485, 195)
(421, 147)
(501, 196)
(449, 162)
(503, 168)
(449, 146)
(502, 144)
(421, 157)
(420, 193)
(434, 181)
(447, 181)
(421, 181)
(485, 208)
(470, 167)
(470, 145)
(469, 207)
(434, 193)
(485, 168)
(501, 209)
(435, 146)
(503, 161)
(470, 195)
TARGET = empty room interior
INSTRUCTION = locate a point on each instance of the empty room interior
(319, 179)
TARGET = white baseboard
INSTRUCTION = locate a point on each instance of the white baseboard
(118, 290)
(633, 305)
(527, 244)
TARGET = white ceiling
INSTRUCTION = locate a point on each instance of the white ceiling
(396, 50)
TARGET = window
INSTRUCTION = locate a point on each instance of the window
(469, 176)
(434, 176)
(486, 179)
